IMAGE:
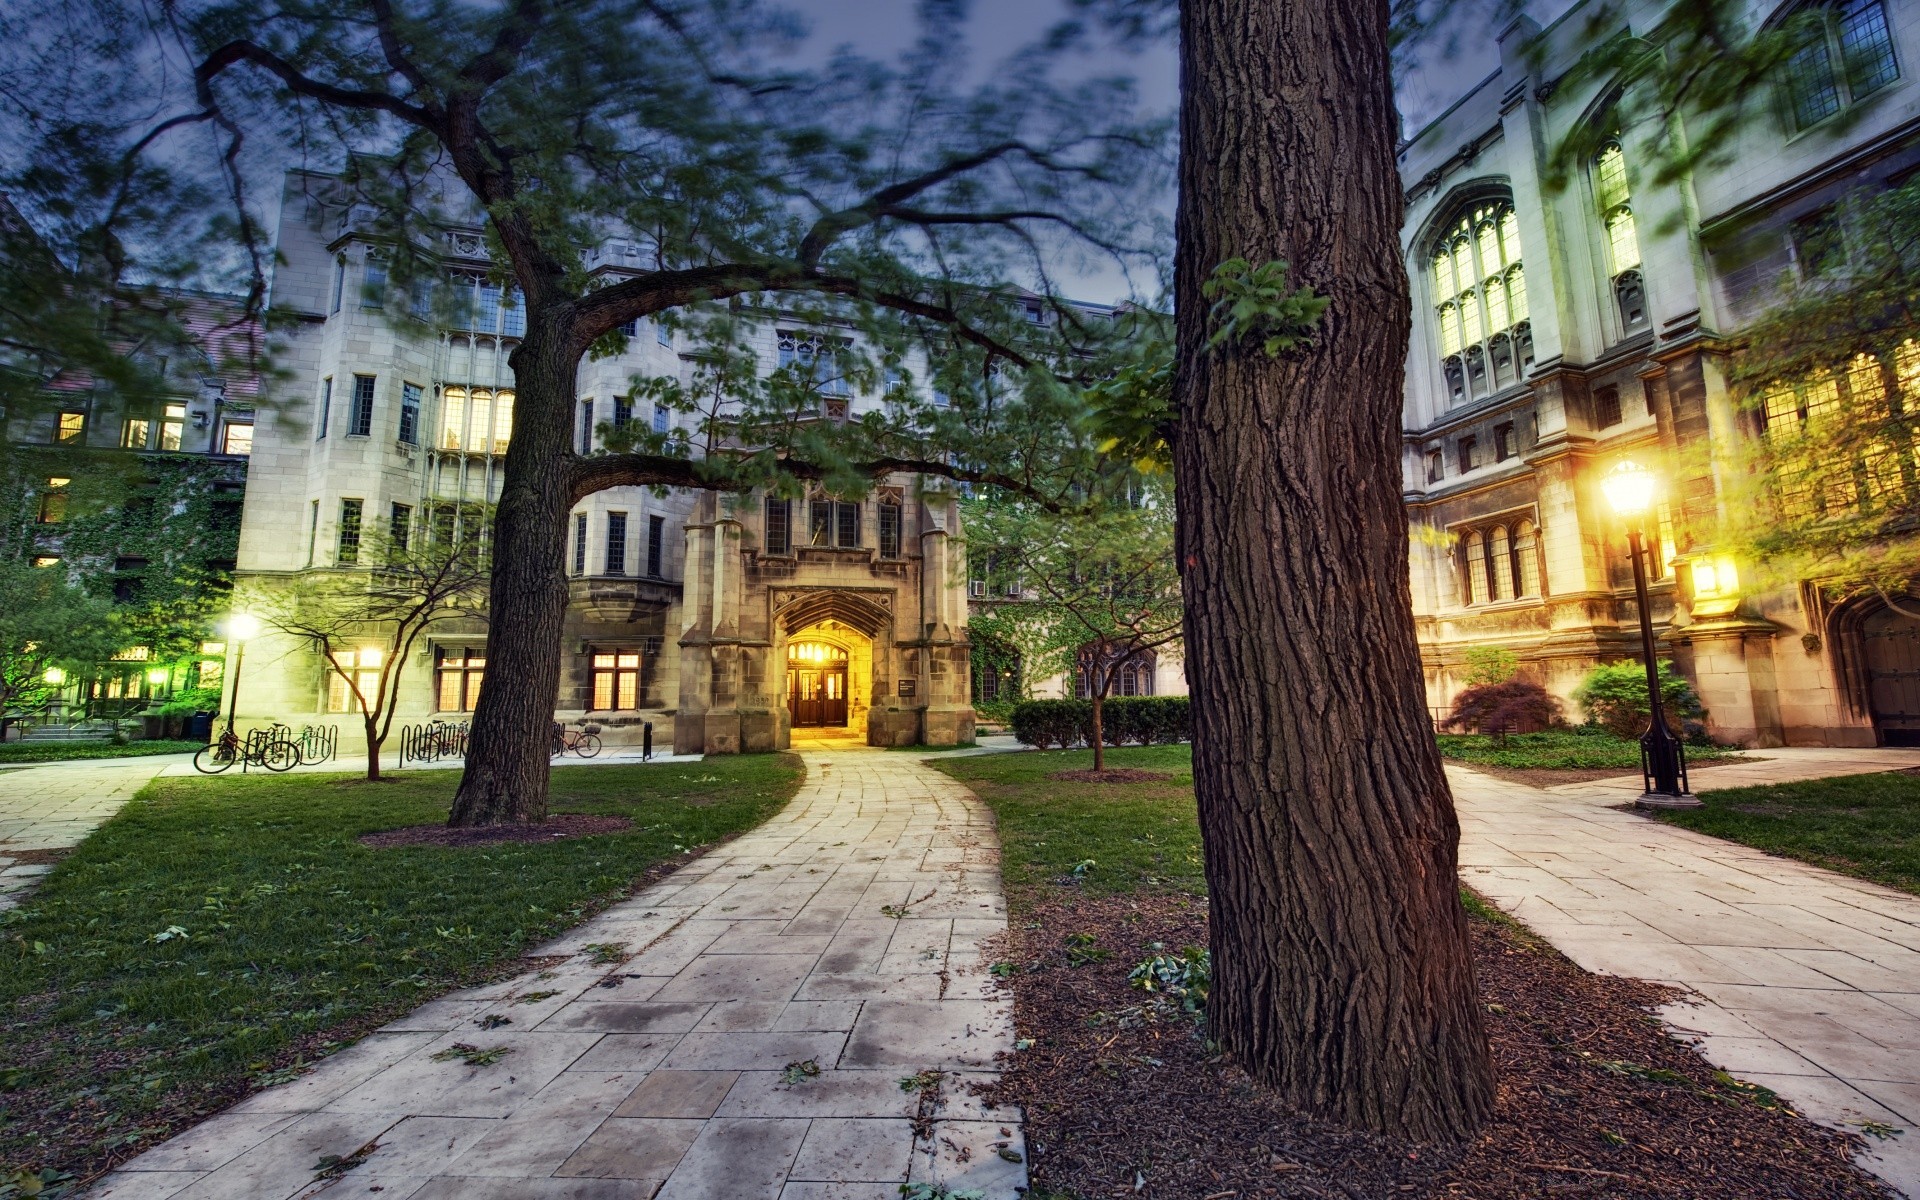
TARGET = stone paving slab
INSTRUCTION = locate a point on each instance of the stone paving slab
(1801, 980)
(53, 806)
(752, 1043)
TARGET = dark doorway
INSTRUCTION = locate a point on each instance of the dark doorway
(1893, 676)
(816, 685)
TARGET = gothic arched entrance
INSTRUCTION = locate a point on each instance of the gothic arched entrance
(1892, 644)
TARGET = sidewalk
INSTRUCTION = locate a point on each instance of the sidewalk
(52, 806)
(1803, 981)
(802, 1016)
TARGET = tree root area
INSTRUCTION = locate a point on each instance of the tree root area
(1112, 775)
(1595, 1099)
(559, 825)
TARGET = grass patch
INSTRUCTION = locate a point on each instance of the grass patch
(1556, 750)
(1867, 826)
(218, 931)
(38, 752)
(1107, 837)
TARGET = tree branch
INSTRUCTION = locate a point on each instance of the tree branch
(243, 51)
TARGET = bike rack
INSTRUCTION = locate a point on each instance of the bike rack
(432, 742)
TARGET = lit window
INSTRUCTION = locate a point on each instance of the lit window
(453, 418)
(135, 432)
(46, 560)
(73, 428)
(458, 673)
(237, 439)
(1479, 295)
(356, 669)
(53, 501)
(213, 657)
(173, 423)
(502, 421)
(616, 679)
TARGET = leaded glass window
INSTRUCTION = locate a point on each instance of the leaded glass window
(1480, 294)
(1847, 55)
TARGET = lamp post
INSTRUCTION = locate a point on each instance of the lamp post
(240, 627)
(1663, 760)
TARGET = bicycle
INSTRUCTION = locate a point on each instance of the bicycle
(269, 748)
(586, 743)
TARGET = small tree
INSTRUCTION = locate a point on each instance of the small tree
(46, 623)
(414, 584)
(1615, 697)
(1508, 706)
(1099, 586)
(1490, 664)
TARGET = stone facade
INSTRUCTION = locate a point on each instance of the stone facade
(683, 611)
(1557, 331)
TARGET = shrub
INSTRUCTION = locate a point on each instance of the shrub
(1137, 720)
(1490, 664)
(1615, 697)
(1514, 706)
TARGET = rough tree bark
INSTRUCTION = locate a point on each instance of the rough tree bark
(505, 780)
(1339, 944)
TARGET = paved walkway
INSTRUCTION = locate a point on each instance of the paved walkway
(1805, 981)
(55, 805)
(779, 992)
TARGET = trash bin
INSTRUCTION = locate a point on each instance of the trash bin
(200, 727)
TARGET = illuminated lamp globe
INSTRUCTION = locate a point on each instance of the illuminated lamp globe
(243, 626)
(158, 675)
(1629, 488)
(55, 676)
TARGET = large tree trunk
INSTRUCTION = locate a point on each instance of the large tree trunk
(508, 753)
(1340, 948)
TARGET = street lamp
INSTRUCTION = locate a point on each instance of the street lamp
(240, 627)
(1629, 489)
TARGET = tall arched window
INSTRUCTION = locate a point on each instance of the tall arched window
(1614, 193)
(1499, 549)
(1475, 575)
(1480, 302)
(1526, 559)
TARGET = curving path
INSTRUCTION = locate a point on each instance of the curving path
(779, 991)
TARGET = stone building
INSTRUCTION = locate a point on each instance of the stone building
(137, 497)
(1556, 331)
(726, 622)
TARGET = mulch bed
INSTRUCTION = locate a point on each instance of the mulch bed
(559, 825)
(1594, 1099)
(1112, 775)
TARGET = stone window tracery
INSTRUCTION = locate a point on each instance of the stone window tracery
(1480, 303)
(1613, 192)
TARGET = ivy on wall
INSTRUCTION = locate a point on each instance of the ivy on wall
(156, 534)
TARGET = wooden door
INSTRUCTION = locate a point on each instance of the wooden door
(1893, 676)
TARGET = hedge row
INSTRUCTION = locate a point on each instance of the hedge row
(1124, 719)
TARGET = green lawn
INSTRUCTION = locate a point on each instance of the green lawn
(1862, 825)
(216, 932)
(1556, 750)
(1116, 837)
(35, 752)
